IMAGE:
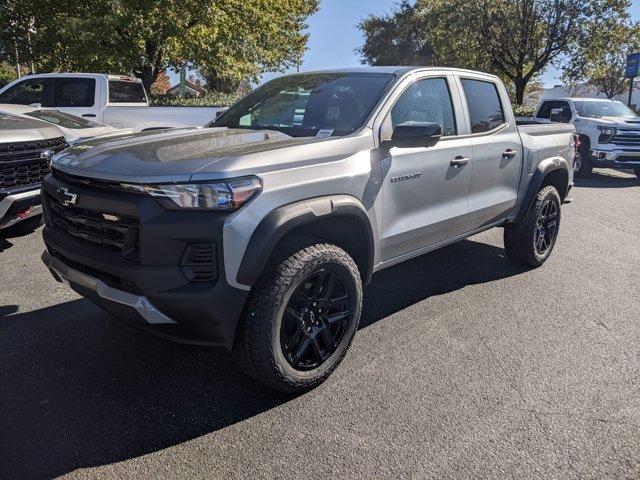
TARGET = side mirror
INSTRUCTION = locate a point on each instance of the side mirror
(414, 135)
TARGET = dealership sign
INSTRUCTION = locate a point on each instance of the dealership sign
(633, 63)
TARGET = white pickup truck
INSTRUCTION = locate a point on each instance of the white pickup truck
(608, 131)
(116, 100)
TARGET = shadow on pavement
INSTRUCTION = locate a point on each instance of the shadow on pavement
(605, 180)
(80, 389)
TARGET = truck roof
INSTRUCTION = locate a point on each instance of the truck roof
(107, 76)
(398, 70)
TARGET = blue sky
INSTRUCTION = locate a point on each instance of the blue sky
(334, 35)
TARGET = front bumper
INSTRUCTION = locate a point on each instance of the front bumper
(18, 206)
(618, 158)
(150, 288)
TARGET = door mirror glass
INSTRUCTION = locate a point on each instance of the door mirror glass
(415, 135)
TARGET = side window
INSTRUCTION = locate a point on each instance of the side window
(426, 100)
(546, 107)
(74, 92)
(25, 92)
(485, 109)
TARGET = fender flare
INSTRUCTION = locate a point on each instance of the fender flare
(282, 220)
(542, 171)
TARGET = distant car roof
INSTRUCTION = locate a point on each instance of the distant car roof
(13, 108)
(578, 99)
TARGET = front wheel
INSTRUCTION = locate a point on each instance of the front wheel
(584, 164)
(301, 319)
(530, 242)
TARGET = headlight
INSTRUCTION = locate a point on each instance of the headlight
(222, 195)
(606, 133)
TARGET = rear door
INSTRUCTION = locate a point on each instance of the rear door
(497, 150)
(76, 95)
(425, 196)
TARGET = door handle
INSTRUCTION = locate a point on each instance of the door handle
(460, 161)
(92, 115)
(509, 153)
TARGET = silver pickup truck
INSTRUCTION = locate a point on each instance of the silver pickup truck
(259, 232)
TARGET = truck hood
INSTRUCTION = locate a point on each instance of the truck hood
(171, 155)
(614, 121)
(19, 129)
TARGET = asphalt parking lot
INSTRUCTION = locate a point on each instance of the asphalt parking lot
(464, 366)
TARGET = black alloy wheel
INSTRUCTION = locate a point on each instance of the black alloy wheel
(546, 226)
(315, 320)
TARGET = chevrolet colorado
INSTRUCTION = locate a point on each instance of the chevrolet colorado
(259, 232)
(608, 132)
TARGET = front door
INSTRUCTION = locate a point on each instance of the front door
(426, 190)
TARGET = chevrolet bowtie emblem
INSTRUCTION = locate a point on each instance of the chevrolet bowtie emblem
(66, 197)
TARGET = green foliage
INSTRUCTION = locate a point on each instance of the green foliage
(524, 110)
(239, 39)
(211, 99)
(600, 59)
(515, 39)
(7, 73)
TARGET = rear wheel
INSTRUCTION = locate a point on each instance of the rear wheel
(301, 319)
(531, 241)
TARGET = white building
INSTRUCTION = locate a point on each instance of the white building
(590, 92)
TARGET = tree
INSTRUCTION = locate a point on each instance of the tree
(600, 59)
(161, 85)
(524, 36)
(515, 39)
(239, 38)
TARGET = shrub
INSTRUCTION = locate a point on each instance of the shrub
(212, 99)
(524, 110)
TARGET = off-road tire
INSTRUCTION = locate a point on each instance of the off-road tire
(258, 339)
(520, 238)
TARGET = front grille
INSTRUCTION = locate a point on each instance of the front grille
(116, 232)
(23, 163)
(627, 137)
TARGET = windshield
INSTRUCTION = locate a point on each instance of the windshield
(322, 104)
(62, 119)
(592, 109)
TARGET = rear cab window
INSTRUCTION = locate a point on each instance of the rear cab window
(483, 101)
(545, 109)
(126, 91)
